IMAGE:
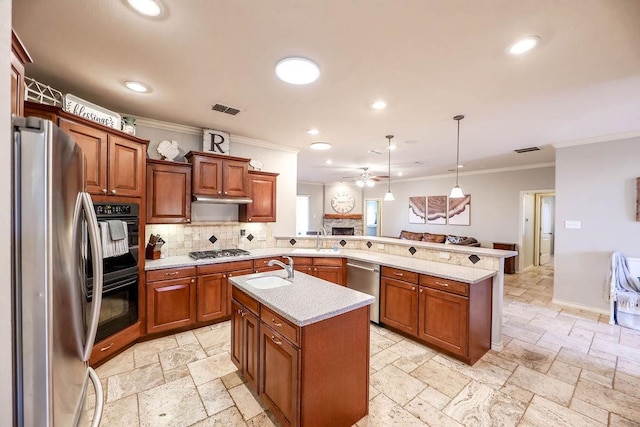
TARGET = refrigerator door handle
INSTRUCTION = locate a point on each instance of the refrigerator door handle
(97, 414)
(96, 254)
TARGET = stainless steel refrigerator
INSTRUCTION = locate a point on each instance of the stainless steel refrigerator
(53, 331)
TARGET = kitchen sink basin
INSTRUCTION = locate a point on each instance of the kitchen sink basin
(268, 282)
(312, 251)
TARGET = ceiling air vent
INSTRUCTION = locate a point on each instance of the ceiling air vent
(526, 150)
(225, 109)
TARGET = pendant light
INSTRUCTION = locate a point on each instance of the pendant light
(456, 192)
(389, 196)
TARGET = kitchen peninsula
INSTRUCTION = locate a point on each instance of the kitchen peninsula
(303, 345)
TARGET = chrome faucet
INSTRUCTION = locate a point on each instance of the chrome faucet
(324, 232)
(288, 268)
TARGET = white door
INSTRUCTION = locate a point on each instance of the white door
(372, 217)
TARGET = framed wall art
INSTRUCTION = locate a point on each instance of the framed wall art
(459, 212)
(437, 210)
(417, 209)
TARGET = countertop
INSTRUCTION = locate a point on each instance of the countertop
(440, 269)
(307, 300)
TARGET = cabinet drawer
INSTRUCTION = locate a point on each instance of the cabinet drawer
(332, 262)
(404, 275)
(280, 325)
(225, 267)
(445, 285)
(114, 344)
(170, 273)
(263, 262)
(245, 300)
(302, 260)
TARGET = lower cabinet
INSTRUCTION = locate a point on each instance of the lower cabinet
(244, 343)
(171, 304)
(190, 296)
(114, 344)
(327, 268)
(448, 315)
(312, 375)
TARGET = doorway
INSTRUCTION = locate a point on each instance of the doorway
(372, 217)
(537, 222)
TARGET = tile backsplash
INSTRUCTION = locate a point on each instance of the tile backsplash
(181, 238)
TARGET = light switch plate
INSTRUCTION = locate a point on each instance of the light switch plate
(380, 245)
(573, 224)
(444, 255)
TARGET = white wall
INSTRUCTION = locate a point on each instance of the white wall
(316, 198)
(274, 159)
(6, 367)
(495, 199)
(595, 184)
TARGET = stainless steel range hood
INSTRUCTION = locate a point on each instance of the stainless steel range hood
(223, 200)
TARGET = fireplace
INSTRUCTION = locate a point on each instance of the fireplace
(343, 231)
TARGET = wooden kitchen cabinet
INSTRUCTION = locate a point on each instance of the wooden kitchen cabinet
(171, 303)
(19, 57)
(245, 340)
(168, 192)
(262, 191)
(261, 265)
(214, 290)
(215, 176)
(399, 300)
(327, 268)
(451, 316)
(279, 365)
(115, 160)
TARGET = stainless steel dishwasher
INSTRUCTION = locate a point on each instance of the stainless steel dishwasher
(365, 277)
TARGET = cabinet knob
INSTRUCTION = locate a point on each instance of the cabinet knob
(188, 220)
(442, 284)
(219, 191)
(107, 347)
(104, 191)
(278, 324)
(275, 340)
(113, 191)
(413, 288)
(249, 219)
(398, 274)
(226, 192)
(193, 280)
(230, 274)
(315, 269)
(224, 276)
(421, 290)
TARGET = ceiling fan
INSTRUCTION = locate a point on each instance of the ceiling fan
(366, 179)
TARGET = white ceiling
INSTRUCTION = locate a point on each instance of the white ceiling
(428, 59)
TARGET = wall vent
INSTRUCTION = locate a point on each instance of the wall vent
(225, 109)
(526, 150)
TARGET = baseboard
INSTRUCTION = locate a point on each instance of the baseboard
(580, 306)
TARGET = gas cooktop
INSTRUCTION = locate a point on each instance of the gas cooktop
(218, 253)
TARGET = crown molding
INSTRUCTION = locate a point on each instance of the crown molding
(596, 139)
(481, 172)
(192, 130)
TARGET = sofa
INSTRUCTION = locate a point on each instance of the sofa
(447, 239)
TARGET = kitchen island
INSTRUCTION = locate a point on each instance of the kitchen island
(303, 346)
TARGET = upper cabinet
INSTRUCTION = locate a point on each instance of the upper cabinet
(168, 192)
(115, 160)
(262, 190)
(19, 57)
(218, 177)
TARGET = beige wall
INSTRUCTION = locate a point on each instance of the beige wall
(6, 403)
(596, 185)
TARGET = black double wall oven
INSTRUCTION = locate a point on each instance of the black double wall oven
(120, 290)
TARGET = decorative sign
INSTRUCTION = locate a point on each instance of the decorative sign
(93, 112)
(215, 141)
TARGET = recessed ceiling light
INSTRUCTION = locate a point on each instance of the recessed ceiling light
(320, 146)
(313, 131)
(329, 162)
(399, 173)
(297, 71)
(379, 105)
(523, 45)
(146, 7)
(460, 166)
(137, 87)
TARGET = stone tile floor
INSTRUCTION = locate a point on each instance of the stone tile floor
(559, 367)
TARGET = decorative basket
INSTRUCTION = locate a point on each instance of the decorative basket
(41, 93)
